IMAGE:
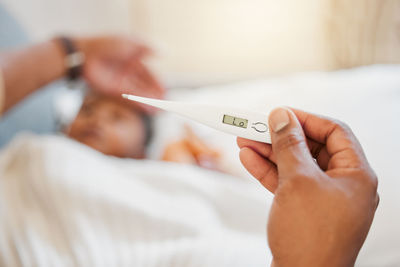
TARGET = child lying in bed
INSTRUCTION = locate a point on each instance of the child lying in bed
(111, 126)
(119, 128)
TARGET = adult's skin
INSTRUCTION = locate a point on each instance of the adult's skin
(113, 65)
(325, 190)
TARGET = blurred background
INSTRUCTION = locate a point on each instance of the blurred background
(212, 41)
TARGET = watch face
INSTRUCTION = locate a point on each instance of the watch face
(74, 58)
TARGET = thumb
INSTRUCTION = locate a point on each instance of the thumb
(289, 144)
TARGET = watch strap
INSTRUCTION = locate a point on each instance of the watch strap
(74, 59)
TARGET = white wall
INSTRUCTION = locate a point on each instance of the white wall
(45, 18)
(207, 41)
(197, 40)
(233, 39)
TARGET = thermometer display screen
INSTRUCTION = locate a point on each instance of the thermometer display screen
(238, 122)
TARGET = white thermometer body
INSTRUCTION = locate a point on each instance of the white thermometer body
(243, 123)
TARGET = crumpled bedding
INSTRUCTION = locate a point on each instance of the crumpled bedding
(64, 204)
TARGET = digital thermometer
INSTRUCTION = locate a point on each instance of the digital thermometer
(247, 124)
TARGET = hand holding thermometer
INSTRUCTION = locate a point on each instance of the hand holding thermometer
(247, 124)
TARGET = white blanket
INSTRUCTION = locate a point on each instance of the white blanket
(63, 204)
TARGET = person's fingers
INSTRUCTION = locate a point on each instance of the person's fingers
(101, 77)
(289, 144)
(140, 48)
(122, 48)
(318, 151)
(377, 200)
(134, 78)
(151, 84)
(178, 152)
(198, 146)
(262, 149)
(342, 147)
(142, 51)
(262, 169)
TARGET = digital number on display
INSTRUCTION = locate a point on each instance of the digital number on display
(238, 122)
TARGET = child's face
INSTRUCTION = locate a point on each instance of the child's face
(109, 126)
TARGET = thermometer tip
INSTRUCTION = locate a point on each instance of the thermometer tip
(125, 96)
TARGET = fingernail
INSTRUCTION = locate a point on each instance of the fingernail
(279, 119)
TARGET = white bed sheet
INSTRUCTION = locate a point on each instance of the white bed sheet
(64, 204)
(366, 98)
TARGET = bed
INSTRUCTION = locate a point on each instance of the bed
(72, 206)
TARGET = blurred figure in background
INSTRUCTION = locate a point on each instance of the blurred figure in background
(191, 149)
(111, 126)
(116, 127)
(110, 65)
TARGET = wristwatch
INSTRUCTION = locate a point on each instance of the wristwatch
(74, 58)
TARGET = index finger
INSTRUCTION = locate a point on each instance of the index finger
(153, 87)
(341, 144)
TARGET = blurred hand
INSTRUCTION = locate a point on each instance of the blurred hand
(114, 65)
(325, 191)
(192, 150)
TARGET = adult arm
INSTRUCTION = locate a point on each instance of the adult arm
(113, 65)
(26, 70)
